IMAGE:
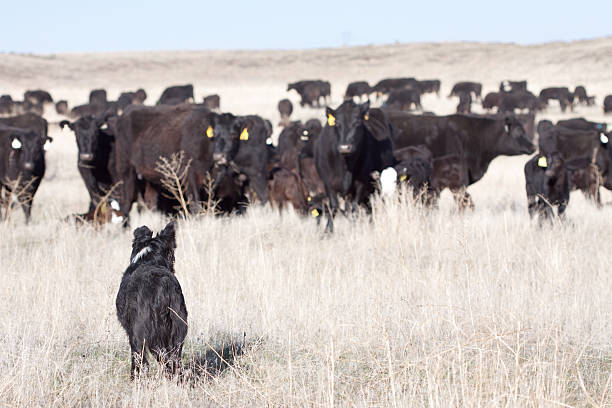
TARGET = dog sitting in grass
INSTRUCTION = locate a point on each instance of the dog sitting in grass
(150, 303)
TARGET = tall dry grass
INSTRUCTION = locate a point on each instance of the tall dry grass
(407, 308)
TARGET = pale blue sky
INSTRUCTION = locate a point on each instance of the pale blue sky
(112, 25)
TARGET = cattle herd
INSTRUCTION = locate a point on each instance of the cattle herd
(319, 167)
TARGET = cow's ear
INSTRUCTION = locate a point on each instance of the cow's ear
(331, 116)
(141, 236)
(168, 235)
(66, 123)
(377, 124)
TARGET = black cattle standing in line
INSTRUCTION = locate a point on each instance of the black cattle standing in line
(357, 89)
(475, 140)
(22, 160)
(150, 303)
(355, 143)
(95, 156)
(176, 95)
(467, 87)
(285, 108)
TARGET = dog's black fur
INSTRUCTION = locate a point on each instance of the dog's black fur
(150, 303)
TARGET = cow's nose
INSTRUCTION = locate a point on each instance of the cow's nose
(345, 148)
(86, 157)
(28, 166)
(219, 158)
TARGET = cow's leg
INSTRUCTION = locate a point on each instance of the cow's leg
(259, 185)
(333, 207)
(532, 205)
(128, 193)
(150, 196)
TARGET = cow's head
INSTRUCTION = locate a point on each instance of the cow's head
(552, 164)
(220, 131)
(515, 140)
(352, 122)
(308, 133)
(27, 148)
(87, 130)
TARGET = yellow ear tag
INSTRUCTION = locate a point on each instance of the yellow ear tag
(244, 135)
(210, 132)
(366, 116)
(331, 120)
(314, 213)
(103, 208)
(542, 161)
(309, 198)
(403, 177)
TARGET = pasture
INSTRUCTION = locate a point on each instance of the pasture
(411, 307)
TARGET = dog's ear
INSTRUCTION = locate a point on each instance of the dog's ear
(168, 235)
(141, 236)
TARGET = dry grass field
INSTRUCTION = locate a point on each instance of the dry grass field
(411, 307)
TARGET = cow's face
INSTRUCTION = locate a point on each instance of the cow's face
(28, 148)
(86, 131)
(221, 132)
(347, 123)
(515, 140)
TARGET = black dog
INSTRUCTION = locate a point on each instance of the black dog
(150, 303)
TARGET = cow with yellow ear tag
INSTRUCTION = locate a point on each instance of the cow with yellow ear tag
(241, 148)
(354, 145)
(547, 184)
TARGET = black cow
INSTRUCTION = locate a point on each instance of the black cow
(355, 143)
(22, 165)
(580, 149)
(129, 98)
(429, 86)
(98, 97)
(386, 86)
(607, 104)
(404, 99)
(144, 134)
(6, 105)
(212, 102)
(547, 185)
(580, 94)
(240, 145)
(61, 107)
(492, 100)
(285, 108)
(415, 169)
(358, 88)
(520, 100)
(311, 91)
(37, 97)
(467, 87)
(465, 103)
(513, 86)
(177, 94)
(476, 140)
(562, 94)
(96, 154)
